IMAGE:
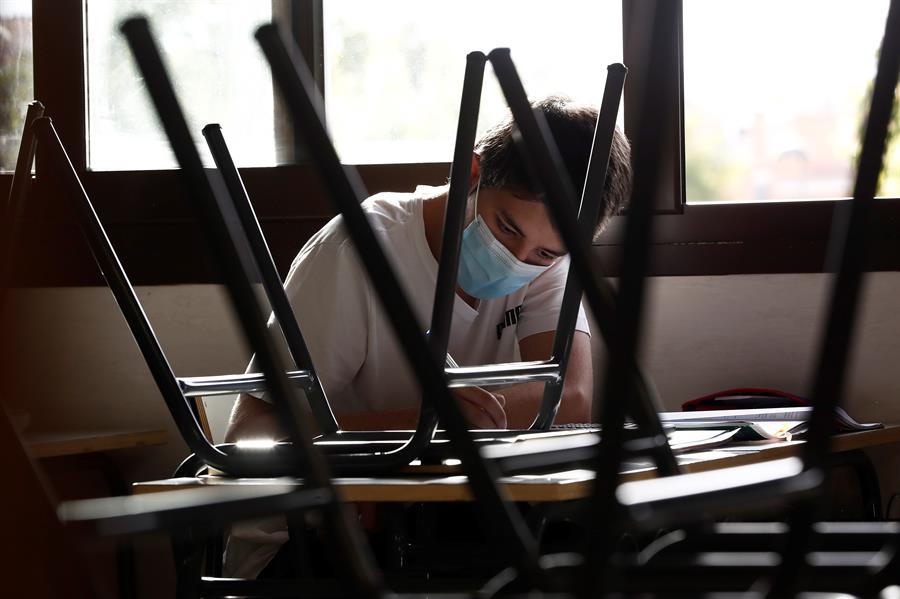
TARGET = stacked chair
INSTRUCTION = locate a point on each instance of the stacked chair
(552, 371)
(211, 509)
(57, 531)
(694, 556)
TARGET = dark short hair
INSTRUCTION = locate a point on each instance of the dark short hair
(572, 124)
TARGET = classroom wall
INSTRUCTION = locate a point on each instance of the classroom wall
(81, 369)
(705, 334)
(702, 334)
(78, 367)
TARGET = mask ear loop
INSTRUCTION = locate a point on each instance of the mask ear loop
(475, 207)
(469, 224)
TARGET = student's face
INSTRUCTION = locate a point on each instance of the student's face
(521, 224)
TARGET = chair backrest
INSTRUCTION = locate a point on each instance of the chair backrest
(551, 371)
(448, 262)
(272, 283)
(588, 215)
(540, 150)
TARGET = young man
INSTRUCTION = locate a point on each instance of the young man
(512, 273)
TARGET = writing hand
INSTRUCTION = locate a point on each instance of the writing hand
(482, 408)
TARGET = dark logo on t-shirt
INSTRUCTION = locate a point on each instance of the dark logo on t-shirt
(510, 318)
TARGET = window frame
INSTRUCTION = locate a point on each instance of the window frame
(159, 240)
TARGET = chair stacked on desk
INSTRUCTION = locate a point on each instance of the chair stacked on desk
(174, 512)
(551, 371)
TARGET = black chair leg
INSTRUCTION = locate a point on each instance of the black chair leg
(299, 547)
(867, 476)
(188, 554)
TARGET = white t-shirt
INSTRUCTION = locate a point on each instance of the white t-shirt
(353, 346)
(350, 338)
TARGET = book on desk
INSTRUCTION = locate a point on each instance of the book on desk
(760, 424)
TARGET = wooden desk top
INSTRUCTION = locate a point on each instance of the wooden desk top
(740, 454)
(81, 442)
(557, 486)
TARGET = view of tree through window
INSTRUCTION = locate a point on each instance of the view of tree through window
(394, 71)
(219, 72)
(775, 96)
(16, 76)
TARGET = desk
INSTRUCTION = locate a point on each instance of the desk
(84, 442)
(739, 454)
(554, 487)
(549, 496)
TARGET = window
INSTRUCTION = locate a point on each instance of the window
(16, 76)
(391, 74)
(394, 71)
(218, 70)
(775, 96)
(379, 113)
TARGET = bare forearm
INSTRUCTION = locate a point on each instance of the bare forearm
(253, 418)
(524, 401)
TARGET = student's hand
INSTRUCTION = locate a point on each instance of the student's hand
(481, 408)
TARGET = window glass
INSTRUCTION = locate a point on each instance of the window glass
(394, 71)
(217, 68)
(775, 97)
(16, 76)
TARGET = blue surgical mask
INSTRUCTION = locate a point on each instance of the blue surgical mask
(486, 268)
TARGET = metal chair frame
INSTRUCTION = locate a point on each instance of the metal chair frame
(552, 371)
(173, 511)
